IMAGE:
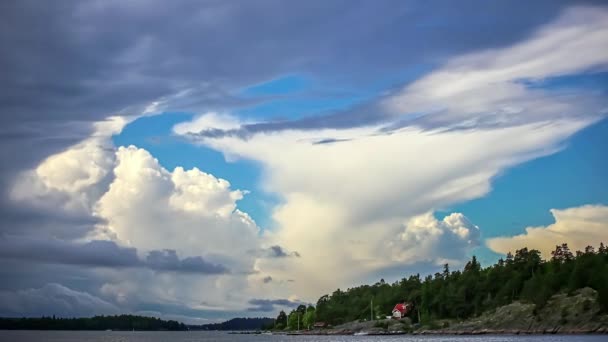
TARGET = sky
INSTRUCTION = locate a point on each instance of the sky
(202, 160)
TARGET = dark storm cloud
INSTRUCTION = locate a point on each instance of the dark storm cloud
(81, 61)
(167, 260)
(25, 220)
(93, 253)
(53, 299)
(268, 305)
(101, 253)
(279, 252)
(275, 251)
(329, 141)
(365, 114)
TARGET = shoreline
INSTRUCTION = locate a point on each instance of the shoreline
(498, 332)
(490, 332)
(329, 332)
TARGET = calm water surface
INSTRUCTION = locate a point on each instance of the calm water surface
(127, 336)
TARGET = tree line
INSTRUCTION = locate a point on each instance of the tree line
(122, 322)
(523, 276)
(301, 318)
(246, 323)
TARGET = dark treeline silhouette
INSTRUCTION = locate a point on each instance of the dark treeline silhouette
(236, 324)
(524, 276)
(122, 322)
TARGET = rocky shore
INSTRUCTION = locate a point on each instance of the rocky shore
(575, 313)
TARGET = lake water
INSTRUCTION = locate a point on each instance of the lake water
(202, 336)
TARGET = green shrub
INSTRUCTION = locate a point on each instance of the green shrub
(586, 305)
(381, 324)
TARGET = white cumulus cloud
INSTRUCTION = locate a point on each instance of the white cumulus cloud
(190, 211)
(182, 220)
(577, 226)
(425, 238)
(74, 178)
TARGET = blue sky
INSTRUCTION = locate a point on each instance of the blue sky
(521, 196)
(204, 160)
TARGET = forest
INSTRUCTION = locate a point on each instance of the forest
(523, 276)
(122, 322)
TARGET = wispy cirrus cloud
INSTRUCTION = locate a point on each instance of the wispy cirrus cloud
(483, 89)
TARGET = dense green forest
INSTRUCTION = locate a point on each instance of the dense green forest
(122, 322)
(460, 294)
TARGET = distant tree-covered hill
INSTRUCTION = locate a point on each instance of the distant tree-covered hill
(237, 324)
(122, 322)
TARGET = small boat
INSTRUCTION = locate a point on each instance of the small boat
(361, 333)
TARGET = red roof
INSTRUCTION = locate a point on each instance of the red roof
(400, 307)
